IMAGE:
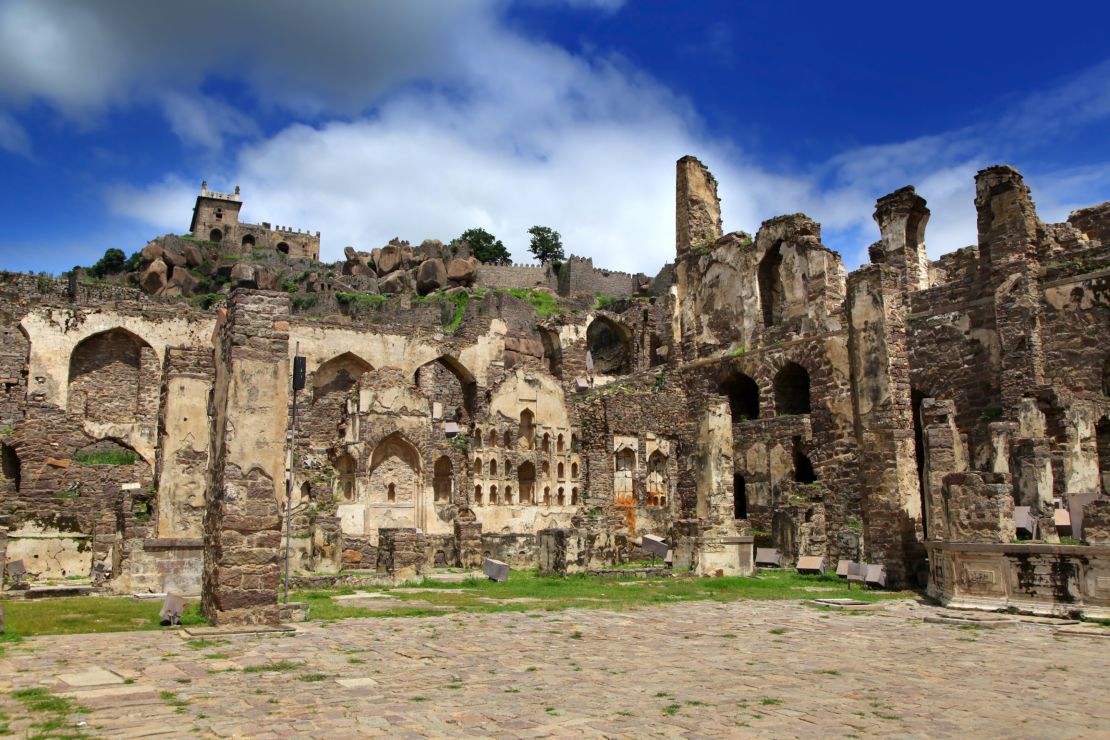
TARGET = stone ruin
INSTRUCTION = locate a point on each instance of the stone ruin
(946, 419)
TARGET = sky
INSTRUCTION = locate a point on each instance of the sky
(374, 120)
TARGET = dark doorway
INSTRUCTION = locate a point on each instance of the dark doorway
(739, 496)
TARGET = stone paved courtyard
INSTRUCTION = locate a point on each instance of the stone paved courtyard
(686, 670)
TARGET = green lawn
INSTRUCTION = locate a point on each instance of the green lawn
(589, 592)
(105, 614)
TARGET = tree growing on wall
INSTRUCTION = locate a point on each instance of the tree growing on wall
(547, 245)
(486, 247)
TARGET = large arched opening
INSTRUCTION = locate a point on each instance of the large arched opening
(526, 481)
(610, 347)
(113, 378)
(447, 382)
(743, 396)
(395, 480)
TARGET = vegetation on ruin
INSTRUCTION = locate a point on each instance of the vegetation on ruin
(603, 301)
(546, 245)
(486, 247)
(106, 457)
(544, 303)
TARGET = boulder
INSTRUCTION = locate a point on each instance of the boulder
(431, 249)
(151, 252)
(193, 256)
(396, 282)
(463, 271)
(431, 277)
(389, 259)
(153, 278)
(172, 255)
(410, 258)
(358, 263)
(242, 276)
(183, 281)
(266, 279)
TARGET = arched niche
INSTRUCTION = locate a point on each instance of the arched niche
(248, 240)
(657, 480)
(446, 381)
(792, 390)
(215, 235)
(113, 378)
(442, 479)
(526, 481)
(394, 472)
(345, 468)
(739, 496)
(624, 469)
(610, 346)
(526, 431)
(770, 285)
(331, 385)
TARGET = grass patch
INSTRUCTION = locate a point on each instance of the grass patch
(106, 457)
(56, 710)
(769, 702)
(80, 614)
(202, 643)
(174, 700)
(671, 709)
(281, 665)
(313, 677)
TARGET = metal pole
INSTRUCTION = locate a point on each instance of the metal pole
(289, 483)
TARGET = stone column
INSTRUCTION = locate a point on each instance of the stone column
(401, 552)
(246, 482)
(902, 216)
(468, 543)
(697, 207)
(1008, 227)
(884, 421)
(944, 454)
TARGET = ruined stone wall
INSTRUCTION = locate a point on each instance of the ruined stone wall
(578, 276)
(514, 276)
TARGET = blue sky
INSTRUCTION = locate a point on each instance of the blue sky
(421, 119)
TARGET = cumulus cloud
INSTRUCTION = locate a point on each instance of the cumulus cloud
(424, 118)
(304, 56)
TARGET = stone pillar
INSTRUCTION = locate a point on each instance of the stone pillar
(979, 507)
(552, 550)
(468, 543)
(401, 552)
(884, 422)
(246, 482)
(944, 454)
(187, 375)
(902, 216)
(1008, 228)
(697, 207)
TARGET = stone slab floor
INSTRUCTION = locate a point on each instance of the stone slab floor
(693, 669)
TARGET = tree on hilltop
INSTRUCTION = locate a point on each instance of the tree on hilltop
(547, 245)
(486, 247)
(112, 263)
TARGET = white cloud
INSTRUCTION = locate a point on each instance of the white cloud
(13, 137)
(503, 131)
(204, 121)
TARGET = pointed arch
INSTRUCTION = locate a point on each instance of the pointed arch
(447, 381)
(339, 374)
(113, 377)
(526, 431)
(394, 474)
(657, 480)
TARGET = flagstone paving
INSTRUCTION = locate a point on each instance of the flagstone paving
(692, 669)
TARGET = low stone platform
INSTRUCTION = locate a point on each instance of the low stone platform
(770, 669)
